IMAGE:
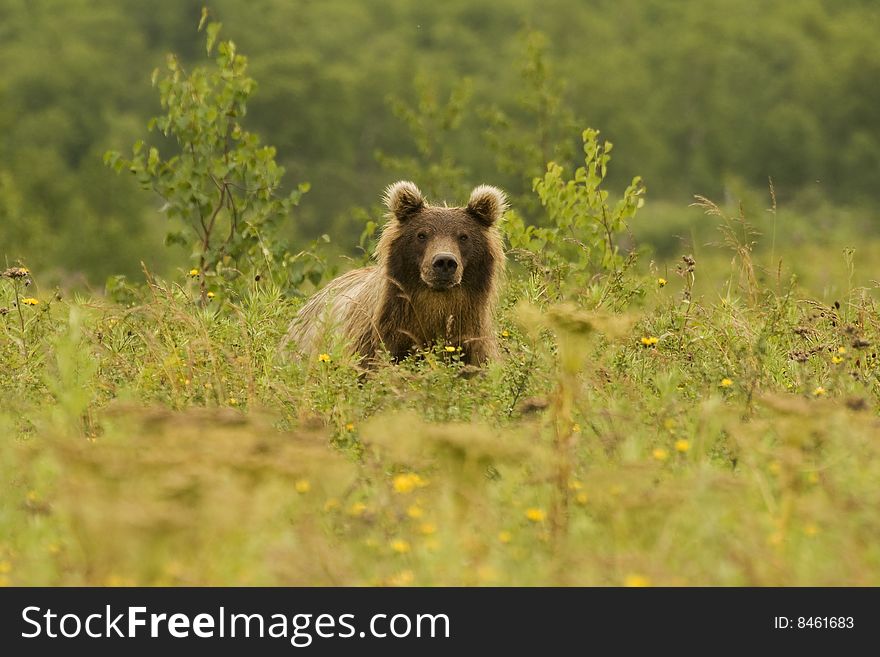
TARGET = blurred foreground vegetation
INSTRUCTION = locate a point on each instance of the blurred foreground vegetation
(722, 441)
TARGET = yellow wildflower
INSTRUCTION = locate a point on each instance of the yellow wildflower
(505, 333)
(324, 358)
(193, 272)
(819, 391)
(682, 445)
(836, 359)
(357, 509)
(349, 427)
(535, 515)
(575, 428)
(660, 454)
(302, 486)
(634, 580)
(726, 383)
(650, 341)
(400, 546)
(841, 350)
(661, 282)
(30, 301)
(582, 498)
(450, 349)
(211, 295)
(407, 483)
(118, 581)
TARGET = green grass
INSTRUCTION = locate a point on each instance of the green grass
(149, 440)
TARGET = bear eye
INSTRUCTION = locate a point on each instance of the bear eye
(463, 238)
(422, 237)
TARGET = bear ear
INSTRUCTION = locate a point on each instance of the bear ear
(404, 199)
(487, 204)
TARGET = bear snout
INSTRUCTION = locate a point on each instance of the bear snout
(445, 264)
(442, 270)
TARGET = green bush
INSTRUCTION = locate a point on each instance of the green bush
(583, 229)
(221, 186)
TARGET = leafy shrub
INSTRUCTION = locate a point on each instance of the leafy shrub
(221, 186)
(584, 228)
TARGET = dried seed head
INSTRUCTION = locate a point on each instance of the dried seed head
(16, 272)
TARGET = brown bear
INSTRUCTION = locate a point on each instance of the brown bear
(435, 282)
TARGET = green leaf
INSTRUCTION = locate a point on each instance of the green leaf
(153, 158)
(212, 32)
(203, 18)
(175, 237)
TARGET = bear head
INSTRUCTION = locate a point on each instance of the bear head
(441, 247)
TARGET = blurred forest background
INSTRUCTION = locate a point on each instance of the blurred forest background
(707, 97)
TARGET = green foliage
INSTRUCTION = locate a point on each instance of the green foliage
(431, 124)
(582, 234)
(222, 185)
(700, 97)
(24, 316)
(540, 130)
(156, 441)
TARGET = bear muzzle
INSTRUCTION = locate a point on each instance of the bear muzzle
(444, 272)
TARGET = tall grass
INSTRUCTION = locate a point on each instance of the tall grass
(695, 436)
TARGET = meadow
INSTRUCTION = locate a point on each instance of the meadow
(702, 412)
(653, 436)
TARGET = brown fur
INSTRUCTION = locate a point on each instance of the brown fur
(435, 282)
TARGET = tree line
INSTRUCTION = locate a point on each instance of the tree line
(355, 95)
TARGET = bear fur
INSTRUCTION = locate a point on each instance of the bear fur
(435, 282)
